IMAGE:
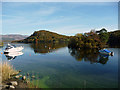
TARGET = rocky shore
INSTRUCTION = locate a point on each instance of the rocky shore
(17, 81)
(12, 78)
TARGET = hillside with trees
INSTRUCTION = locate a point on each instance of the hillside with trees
(95, 39)
(44, 36)
(88, 40)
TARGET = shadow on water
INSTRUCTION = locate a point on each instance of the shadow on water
(91, 55)
(44, 48)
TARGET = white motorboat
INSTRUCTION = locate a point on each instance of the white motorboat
(13, 48)
(106, 52)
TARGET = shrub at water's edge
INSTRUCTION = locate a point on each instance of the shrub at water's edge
(7, 70)
(1, 44)
(10, 74)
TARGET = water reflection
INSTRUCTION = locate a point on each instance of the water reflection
(13, 55)
(90, 55)
(44, 48)
(103, 59)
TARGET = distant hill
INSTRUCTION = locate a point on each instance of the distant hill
(11, 37)
(44, 36)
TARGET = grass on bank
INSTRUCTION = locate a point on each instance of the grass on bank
(7, 70)
(1, 44)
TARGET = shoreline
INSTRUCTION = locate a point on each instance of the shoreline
(11, 78)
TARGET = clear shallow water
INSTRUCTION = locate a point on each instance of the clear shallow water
(56, 66)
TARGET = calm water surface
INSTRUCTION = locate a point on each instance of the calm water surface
(56, 66)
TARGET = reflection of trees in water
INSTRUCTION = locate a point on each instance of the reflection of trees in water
(44, 48)
(103, 59)
(91, 55)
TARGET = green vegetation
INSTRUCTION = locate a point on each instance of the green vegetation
(45, 37)
(86, 40)
(39, 83)
(114, 38)
(1, 43)
(104, 35)
(95, 39)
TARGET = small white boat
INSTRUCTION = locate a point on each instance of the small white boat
(106, 52)
(13, 48)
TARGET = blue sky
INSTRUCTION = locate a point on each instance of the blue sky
(66, 18)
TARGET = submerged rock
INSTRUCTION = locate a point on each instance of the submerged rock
(24, 77)
(27, 74)
(27, 81)
(17, 76)
(19, 71)
(5, 86)
(11, 86)
(14, 83)
(15, 73)
(20, 75)
(33, 76)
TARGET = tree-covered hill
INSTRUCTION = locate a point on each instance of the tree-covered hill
(44, 36)
(92, 39)
(95, 39)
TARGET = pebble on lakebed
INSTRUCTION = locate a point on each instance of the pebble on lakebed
(24, 77)
(17, 76)
(33, 76)
(11, 86)
(15, 73)
(14, 83)
(27, 74)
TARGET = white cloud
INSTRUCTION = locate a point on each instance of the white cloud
(44, 12)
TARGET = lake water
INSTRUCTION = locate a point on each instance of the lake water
(56, 66)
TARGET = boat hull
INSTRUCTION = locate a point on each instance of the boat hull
(105, 53)
(17, 49)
